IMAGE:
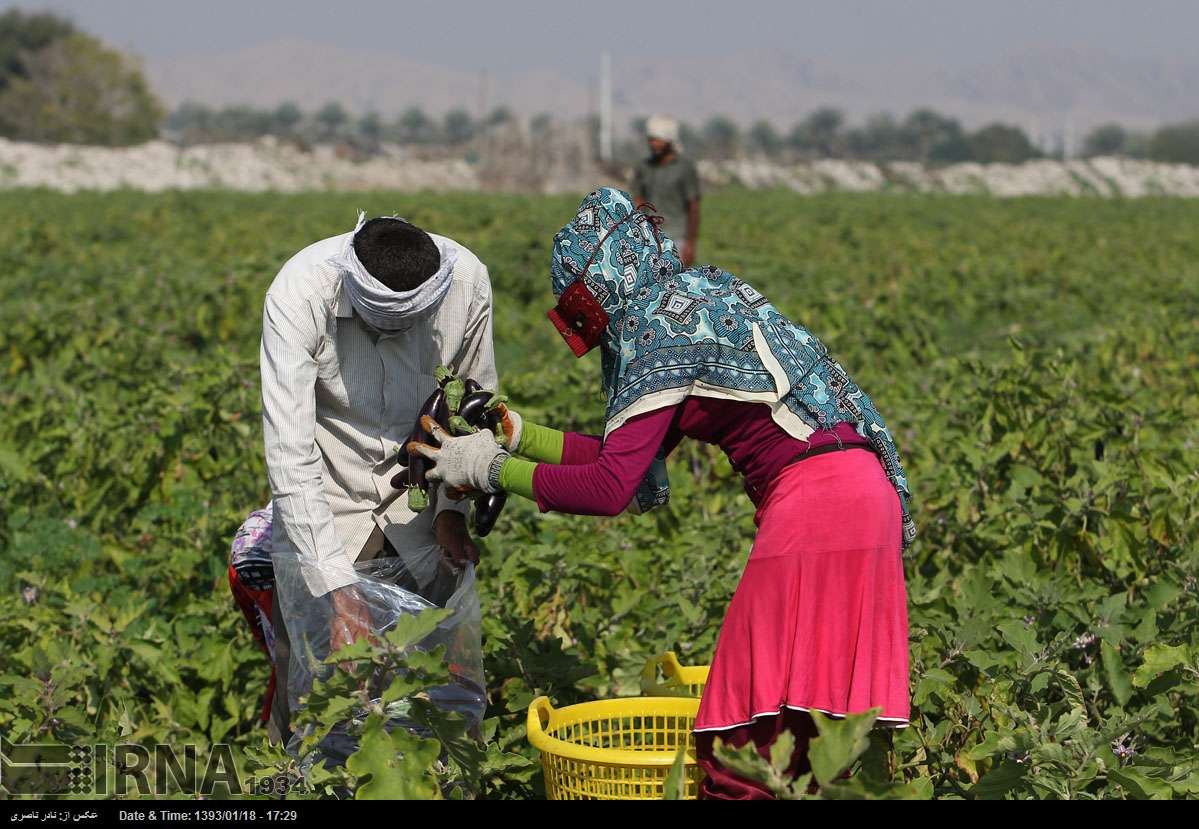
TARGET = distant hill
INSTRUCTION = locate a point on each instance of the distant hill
(1045, 90)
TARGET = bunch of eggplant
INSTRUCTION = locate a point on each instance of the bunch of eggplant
(460, 407)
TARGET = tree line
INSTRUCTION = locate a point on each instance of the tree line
(58, 84)
(332, 123)
(924, 136)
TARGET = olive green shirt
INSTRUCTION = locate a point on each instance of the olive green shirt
(668, 187)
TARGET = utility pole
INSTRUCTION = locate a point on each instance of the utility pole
(605, 127)
(481, 126)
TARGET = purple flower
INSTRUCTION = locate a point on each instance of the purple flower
(1124, 747)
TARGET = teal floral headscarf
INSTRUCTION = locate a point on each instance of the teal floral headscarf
(669, 333)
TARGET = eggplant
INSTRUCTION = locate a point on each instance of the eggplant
(492, 422)
(487, 510)
(489, 506)
(474, 407)
(418, 465)
(441, 414)
(454, 398)
(402, 479)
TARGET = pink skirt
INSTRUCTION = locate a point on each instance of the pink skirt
(819, 621)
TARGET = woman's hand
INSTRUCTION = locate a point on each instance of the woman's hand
(460, 462)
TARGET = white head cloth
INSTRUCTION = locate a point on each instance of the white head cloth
(381, 307)
(662, 127)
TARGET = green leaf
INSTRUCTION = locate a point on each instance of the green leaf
(22, 684)
(865, 788)
(1020, 636)
(840, 743)
(985, 660)
(676, 780)
(1161, 593)
(393, 766)
(404, 685)
(432, 664)
(1141, 785)
(1159, 659)
(782, 750)
(1118, 680)
(743, 761)
(354, 651)
(690, 612)
(1146, 629)
(411, 628)
(999, 781)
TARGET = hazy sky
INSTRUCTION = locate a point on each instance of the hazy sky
(503, 35)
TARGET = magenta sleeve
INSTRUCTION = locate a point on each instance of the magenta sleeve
(605, 485)
(579, 449)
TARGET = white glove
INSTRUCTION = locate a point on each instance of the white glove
(463, 462)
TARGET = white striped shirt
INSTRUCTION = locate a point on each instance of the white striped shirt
(338, 399)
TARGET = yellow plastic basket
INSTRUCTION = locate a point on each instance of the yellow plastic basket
(615, 749)
(663, 676)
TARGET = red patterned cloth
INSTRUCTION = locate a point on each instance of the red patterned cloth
(256, 607)
(252, 582)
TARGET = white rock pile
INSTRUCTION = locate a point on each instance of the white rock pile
(1109, 177)
(264, 165)
(524, 165)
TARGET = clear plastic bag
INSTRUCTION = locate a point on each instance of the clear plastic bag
(417, 579)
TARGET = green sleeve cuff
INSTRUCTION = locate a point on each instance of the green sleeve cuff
(516, 476)
(541, 443)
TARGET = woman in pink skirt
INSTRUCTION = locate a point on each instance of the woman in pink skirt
(819, 619)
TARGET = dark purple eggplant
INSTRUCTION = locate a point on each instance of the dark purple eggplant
(488, 507)
(487, 510)
(441, 414)
(418, 464)
(402, 479)
(472, 386)
(473, 408)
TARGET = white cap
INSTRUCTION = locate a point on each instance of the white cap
(662, 127)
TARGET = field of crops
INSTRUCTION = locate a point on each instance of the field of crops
(1037, 360)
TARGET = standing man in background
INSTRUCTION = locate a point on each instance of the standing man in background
(669, 182)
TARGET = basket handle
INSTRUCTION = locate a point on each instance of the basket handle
(540, 711)
(667, 662)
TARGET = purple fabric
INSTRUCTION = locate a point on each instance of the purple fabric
(579, 449)
(599, 478)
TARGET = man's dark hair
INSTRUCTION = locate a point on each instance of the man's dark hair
(398, 254)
